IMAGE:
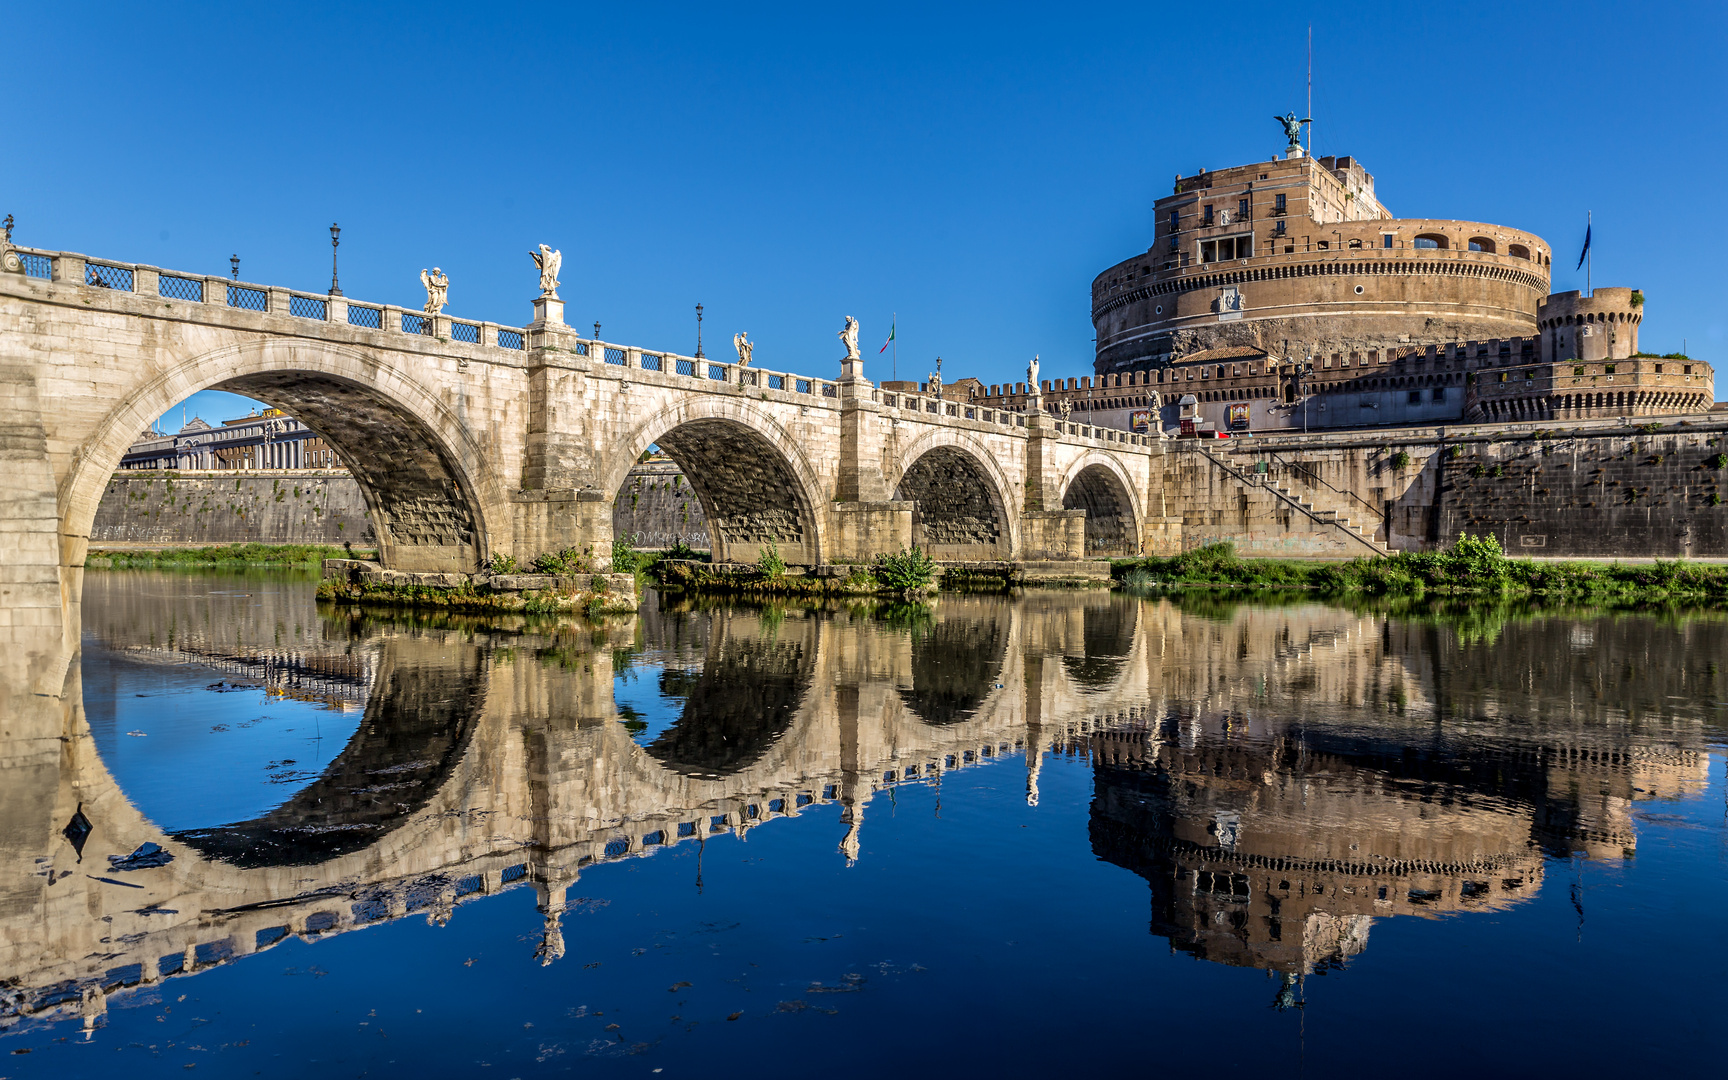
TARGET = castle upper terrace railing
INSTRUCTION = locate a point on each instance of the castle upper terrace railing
(1316, 261)
(218, 292)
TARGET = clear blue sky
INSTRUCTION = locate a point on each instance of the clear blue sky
(971, 168)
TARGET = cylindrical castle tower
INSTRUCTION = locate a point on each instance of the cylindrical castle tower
(1602, 326)
(1298, 257)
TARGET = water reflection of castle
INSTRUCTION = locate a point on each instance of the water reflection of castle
(1274, 826)
(1279, 777)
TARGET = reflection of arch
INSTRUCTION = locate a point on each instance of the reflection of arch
(749, 475)
(1107, 633)
(427, 487)
(955, 665)
(962, 511)
(1097, 485)
(741, 703)
(419, 720)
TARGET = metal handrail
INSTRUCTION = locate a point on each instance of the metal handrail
(1297, 503)
(1315, 477)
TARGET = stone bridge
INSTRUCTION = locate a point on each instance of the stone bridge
(469, 438)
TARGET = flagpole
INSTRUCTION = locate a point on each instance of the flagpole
(1589, 224)
(894, 336)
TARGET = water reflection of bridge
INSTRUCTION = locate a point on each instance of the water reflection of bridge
(343, 681)
(1280, 778)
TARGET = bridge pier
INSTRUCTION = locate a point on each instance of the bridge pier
(865, 519)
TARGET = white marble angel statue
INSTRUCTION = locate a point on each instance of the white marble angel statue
(549, 262)
(1067, 408)
(741, 341)
(1032, 375)
(849, 337)
(1155, 405)
(437, 290)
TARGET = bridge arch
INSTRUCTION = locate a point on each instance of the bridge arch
(749, 474)
(433, 500)
(962, 497)
(1097, 484)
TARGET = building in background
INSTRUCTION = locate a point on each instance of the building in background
(268, 440)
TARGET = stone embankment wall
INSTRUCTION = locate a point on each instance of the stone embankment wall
(1556, 489)
(322, 506)
(313, 506)
(656, 508)
(1652, 494)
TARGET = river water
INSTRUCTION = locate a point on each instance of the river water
(1065, 832)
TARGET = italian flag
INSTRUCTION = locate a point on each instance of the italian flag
(887, 343)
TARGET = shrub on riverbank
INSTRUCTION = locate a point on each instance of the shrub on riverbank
(227, 555)
(906, 573)
(905, 570)
(595, 600)
(1473, 566)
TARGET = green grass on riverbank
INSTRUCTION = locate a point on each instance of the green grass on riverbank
(1474, 566)
(228, 555)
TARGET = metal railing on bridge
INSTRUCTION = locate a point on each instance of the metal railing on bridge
(388, 319)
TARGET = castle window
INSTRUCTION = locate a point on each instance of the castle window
(1355, 243)
(1438, 393)
(1230, 247)
(1175, 220)
(1385, 240)
(1325, 245)
(1207, 218)
(1688, 370)
(1415, 397)
(1579, 370)
(1658, 369)
(1242, 207)
(1278, 229)
(1608, 369)
(1431, 240)
(1518, 251)
(1278, 203)
(1482, 243)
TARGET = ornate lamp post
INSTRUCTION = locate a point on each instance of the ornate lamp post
(335, 241)
(596, 329)
(699, 355)
(234, 266)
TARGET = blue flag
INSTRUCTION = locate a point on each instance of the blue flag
(1586, 250)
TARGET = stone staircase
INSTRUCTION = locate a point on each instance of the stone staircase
(1318, 503)
(1335, 510)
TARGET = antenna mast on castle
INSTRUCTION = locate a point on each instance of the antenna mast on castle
(1310, 89)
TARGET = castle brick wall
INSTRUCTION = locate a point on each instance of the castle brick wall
(1552, 489)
